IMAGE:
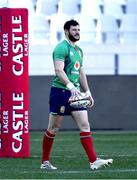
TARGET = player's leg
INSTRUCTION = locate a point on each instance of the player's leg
(81, 119)
(54, 123)
(48, 139)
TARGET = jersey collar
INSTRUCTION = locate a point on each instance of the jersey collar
(70, 43)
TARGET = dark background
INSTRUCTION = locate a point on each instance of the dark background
(115, 103)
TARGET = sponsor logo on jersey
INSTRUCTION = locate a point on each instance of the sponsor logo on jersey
(77, 65)
(74, 72)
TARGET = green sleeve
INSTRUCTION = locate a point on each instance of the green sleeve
(60, 52)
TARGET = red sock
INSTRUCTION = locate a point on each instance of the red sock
(87, 143)
(47, 145)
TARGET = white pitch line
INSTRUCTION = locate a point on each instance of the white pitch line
(83, 171)
(73, 156)
(37, 140)
(120, 155)
(97, 171)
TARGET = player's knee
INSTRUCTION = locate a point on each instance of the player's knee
(54, 129)
(85, 127)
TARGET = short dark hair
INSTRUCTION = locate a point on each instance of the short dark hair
(69, 23)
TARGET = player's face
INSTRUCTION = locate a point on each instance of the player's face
(74, 33)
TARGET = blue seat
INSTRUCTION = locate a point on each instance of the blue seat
(128, 29)
(108, 28)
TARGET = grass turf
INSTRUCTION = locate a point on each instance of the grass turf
(70, 159)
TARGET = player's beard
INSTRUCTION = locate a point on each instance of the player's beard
(72, 38)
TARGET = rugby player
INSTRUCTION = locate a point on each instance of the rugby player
(69, 79)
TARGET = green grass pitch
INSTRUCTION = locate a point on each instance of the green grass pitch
(70, 159)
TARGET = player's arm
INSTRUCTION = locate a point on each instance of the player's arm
(83, 80)
(84, 85)
(59, 70)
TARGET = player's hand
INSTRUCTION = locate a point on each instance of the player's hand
(88, 94)
(75, 94)
(92, 102)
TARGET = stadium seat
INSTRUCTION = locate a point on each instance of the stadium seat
(34, 4)
(123, 4)
(46, 7)
(40, 30)
(21, 4)
(70, 7)
(3, 3)
(91, 8)
(87, 28)
(131, 6)
(128, 29)
(56, 26)
(113, 8)
(108, 28)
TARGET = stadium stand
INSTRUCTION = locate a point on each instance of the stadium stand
(56, 27)
(113, 8)
(131, 6)
(91, 8)
(108, 28)
(74, 7)
(46, 7)
(128, 29)
(41, 30)
(108, 32)
(21, 4)
(87, 28)
(3, 4)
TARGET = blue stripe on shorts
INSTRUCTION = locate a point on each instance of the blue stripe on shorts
(58, 102)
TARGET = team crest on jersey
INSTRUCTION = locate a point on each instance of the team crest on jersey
(71, 53)
(80, 54)
(62, 109)
(77, 65)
